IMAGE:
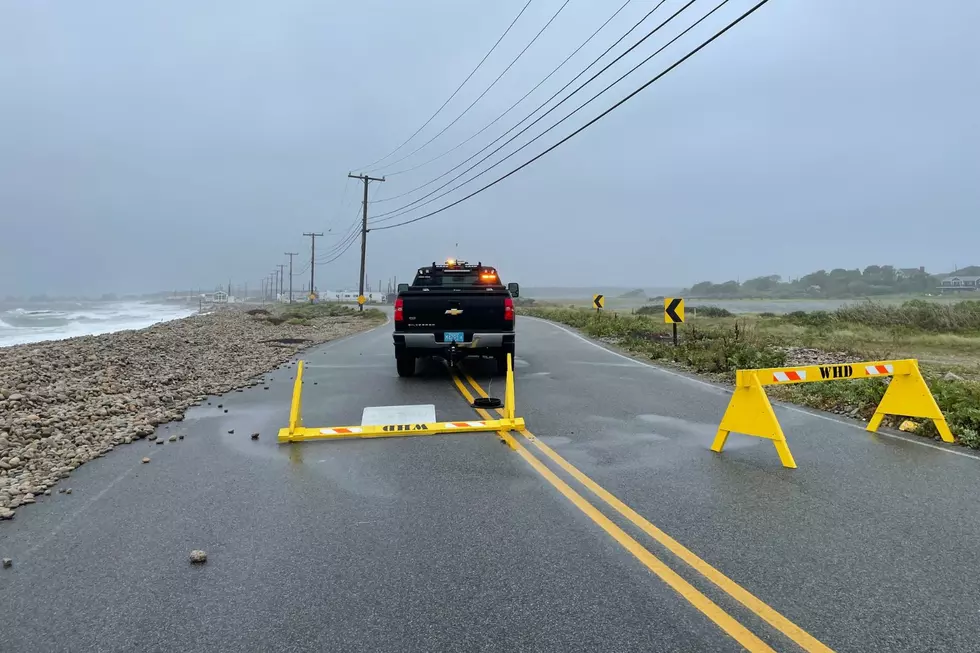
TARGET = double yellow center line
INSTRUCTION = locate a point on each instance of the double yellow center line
(709, 608)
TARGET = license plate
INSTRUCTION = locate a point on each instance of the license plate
(453, 336)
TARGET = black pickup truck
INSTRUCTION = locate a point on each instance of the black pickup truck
(452, 311)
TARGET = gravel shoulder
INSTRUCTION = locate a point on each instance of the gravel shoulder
(65, 402)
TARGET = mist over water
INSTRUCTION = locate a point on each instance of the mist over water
(36, 321)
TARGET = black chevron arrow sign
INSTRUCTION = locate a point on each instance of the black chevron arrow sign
(673, 310)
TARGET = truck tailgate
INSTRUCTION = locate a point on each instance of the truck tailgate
(447, 310)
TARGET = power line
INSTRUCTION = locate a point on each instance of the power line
(463, 83)
(346, 243)
(401, 211)
(538, 108)
(350, 243)
(355, 225)
(492, 84)
(597, 118)
(509, 109)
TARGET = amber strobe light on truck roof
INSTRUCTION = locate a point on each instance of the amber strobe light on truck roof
(452, 266)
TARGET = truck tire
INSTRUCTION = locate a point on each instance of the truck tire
(405, 365)
(501, 361)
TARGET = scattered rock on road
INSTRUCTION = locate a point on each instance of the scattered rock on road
(172, 438)
(64, 403)
(145, 460)
(255, 436)
(198, 556)
(7, 563)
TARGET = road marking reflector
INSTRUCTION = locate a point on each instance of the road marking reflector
(750, 412)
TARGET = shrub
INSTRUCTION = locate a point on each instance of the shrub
(916, 314)
(712, 311)
(818, 319)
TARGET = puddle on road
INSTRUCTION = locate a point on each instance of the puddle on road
(647, 428)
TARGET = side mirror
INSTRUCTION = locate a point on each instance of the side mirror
(515, 290)
(402, 287)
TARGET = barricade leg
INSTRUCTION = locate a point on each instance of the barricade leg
(750, 412)
(295, 407)
(908, 395)
(509, 408)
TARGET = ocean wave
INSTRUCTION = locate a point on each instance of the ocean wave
(23, 325)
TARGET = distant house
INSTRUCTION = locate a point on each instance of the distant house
(960, 284)
(908, 273)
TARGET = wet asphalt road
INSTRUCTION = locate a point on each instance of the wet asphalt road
(454, 543)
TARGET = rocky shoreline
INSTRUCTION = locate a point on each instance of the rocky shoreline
(63, 403)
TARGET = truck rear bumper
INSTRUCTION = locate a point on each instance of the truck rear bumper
(474, 341)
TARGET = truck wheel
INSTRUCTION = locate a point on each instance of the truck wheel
(405, 365)
(501, 360)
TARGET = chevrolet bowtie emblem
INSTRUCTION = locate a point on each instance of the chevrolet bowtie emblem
(454, 311)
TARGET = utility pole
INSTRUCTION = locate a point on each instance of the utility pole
(364, 230)
(312, 258)
(291, 255)
(282, 278)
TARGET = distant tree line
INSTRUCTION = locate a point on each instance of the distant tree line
(838, 283)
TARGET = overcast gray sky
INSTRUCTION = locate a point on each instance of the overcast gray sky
(148, 145)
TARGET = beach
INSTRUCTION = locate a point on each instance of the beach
(65, 402)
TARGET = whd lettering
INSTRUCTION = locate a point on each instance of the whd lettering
(836, 371)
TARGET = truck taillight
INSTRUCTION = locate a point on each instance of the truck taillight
(399, 310)
(508, 309)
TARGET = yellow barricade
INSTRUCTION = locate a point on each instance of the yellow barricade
(750, 412)
(296, 432)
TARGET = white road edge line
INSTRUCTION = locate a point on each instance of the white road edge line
(797, 409)
(71, 517)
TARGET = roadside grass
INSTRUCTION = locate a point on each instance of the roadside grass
(945, 338)
(307, 314)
